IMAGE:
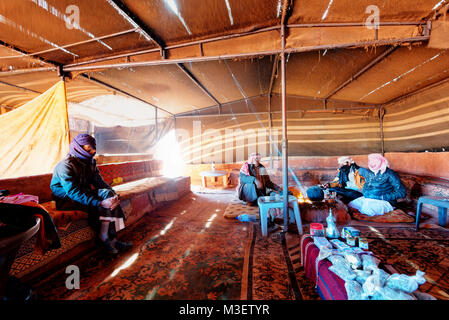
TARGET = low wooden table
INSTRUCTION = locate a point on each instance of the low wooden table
(215, 173)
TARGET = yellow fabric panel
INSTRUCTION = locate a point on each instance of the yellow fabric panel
(34, 137)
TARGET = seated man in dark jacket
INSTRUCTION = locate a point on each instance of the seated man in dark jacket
(382, 187)
(348, 183)
(254, 181)
(77, 185)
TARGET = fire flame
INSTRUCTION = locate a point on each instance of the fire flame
(302, 199)
(298, 194)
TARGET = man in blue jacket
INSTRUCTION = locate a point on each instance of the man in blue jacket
(77, 185)
(382, 187)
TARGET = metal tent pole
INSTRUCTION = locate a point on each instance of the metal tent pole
(270, 116)
(381, 122)
(63, 79)
(284, 133)
(270, 129)
(155, 126)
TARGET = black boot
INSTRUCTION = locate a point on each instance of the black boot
(123, 246)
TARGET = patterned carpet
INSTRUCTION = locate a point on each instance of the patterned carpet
(276, 270)
(180, 255)
(189, 250)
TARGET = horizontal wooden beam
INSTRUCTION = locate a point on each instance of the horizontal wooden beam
(235, 114)
(267, 39)
(357, 105)
(322, 100)
(246, 55)
(27, 70)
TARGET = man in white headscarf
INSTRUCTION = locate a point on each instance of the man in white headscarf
(254, 181)
(382, 187)
(348, 183)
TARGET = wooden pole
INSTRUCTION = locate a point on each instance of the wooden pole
(270, 124)
(155, 126)
(62, 77)
(284, 132)
(270, 121)
(381, 122)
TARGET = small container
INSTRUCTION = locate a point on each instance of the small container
(350, 232)
(317, 229)
(350, 241)
(363, 243)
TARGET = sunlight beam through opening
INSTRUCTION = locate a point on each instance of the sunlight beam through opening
(127, 264)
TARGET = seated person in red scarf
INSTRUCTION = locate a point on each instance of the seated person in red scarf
(77, 185)
(254, 181)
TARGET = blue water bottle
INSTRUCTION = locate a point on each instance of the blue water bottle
(246, 217)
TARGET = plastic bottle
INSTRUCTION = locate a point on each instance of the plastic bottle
(246, 217)
(331, 230)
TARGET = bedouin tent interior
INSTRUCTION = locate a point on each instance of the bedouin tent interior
(178, 95)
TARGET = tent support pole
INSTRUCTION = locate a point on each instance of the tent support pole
(284, 133)
(174, 126)
(155, 125)
(381, 122)
(270, 122)
(62, 76)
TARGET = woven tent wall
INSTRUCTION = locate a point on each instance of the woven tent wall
(418, 123)
(230, 138)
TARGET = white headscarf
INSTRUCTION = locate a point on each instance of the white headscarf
(342, 160)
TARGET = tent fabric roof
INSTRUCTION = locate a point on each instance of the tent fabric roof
(34, 27)
(355, 11)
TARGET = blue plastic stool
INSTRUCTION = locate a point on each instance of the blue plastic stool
(441, 203)
(265, 204)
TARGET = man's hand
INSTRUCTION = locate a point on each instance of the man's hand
(110, 203)
(259, 184)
